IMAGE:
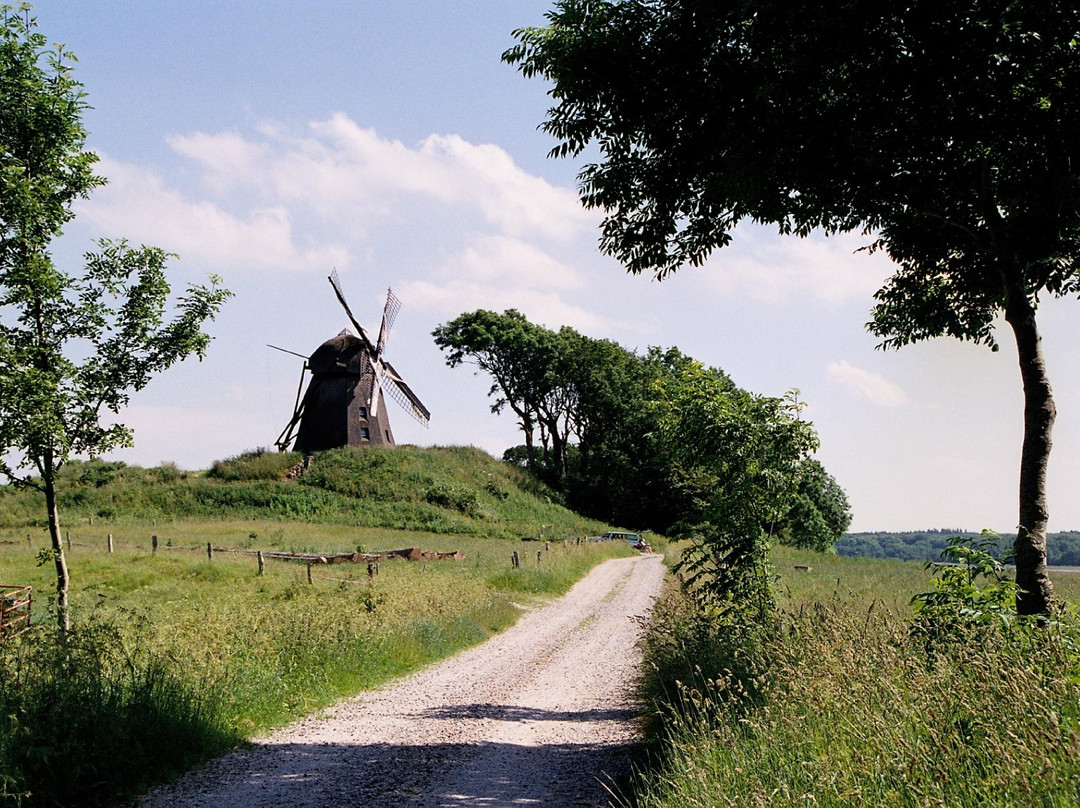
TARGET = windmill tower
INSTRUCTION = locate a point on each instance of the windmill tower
(345, 402)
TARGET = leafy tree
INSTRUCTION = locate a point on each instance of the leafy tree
(526, 363)
(950, 131)
(70, 346)
(639, 460)
(819, 513)
(737, 460)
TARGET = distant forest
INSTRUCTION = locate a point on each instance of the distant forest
(1063, 549)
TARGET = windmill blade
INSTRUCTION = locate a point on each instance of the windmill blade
(336, 283)
(286, 436)
(390, 312)
(286, 350)
(395, 387)
(285, 439)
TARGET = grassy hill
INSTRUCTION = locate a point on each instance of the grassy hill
(452, 490)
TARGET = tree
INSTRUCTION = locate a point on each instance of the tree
(819, 512)
(71, 346)
(526, 363)
(947, 132)
(736, 459)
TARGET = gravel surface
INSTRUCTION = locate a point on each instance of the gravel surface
(542, 714)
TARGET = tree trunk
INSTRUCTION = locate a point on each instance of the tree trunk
(1039, 413)
(530, 447)
(62, 614)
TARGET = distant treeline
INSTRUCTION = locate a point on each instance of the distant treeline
(1063, 549)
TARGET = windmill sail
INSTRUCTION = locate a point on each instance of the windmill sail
(336, 283)
(390, 312)
(286, 436)
(403, 395)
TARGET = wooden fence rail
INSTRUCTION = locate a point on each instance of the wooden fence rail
(15, 603)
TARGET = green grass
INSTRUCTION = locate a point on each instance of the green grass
(175, 658)
(451, 490)
(843, 704)
(225, 654)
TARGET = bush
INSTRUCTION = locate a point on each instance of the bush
(260, 464)
(168, 473)
(453, 496)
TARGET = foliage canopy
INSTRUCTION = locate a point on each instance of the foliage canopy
(949, 133)
(661, 442)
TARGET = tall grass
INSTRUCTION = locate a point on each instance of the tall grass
(182, 657)
(88, 717)
(841, 702)
(177, 657)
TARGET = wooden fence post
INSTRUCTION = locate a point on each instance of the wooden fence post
(153, 544)
(110, 544)
(261, 562)
(515, 559)
(209, 551)
(309, 573)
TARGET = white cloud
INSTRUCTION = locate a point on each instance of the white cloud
(544, 308)
(344, 170)
(140, 206)
(503, 260)
(271, 200)
(499, 273)
(770, 269)
(870, 386)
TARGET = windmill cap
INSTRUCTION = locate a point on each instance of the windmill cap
(341, 354)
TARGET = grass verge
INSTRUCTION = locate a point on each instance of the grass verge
(841, 702)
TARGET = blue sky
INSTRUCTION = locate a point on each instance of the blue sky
(271, 142)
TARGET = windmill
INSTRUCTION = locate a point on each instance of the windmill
(345, 402)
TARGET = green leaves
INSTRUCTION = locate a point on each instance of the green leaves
(86, 344)
(737, 460)
(972, 586)
(71, 346)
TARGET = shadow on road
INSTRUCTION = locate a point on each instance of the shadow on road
(502, 712)
(378, 775)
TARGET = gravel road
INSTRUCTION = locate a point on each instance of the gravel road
(542, 714)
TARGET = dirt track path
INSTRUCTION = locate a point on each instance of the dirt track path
(542, 714)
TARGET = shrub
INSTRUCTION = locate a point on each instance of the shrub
(972, 586)
(168, 472)
(453, 496)
(260, 464)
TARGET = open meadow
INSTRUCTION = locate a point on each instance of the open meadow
(178, 657)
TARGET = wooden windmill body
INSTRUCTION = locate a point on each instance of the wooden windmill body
(345, 402)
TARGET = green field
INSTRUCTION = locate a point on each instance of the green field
(842, 699)
(176, 657)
